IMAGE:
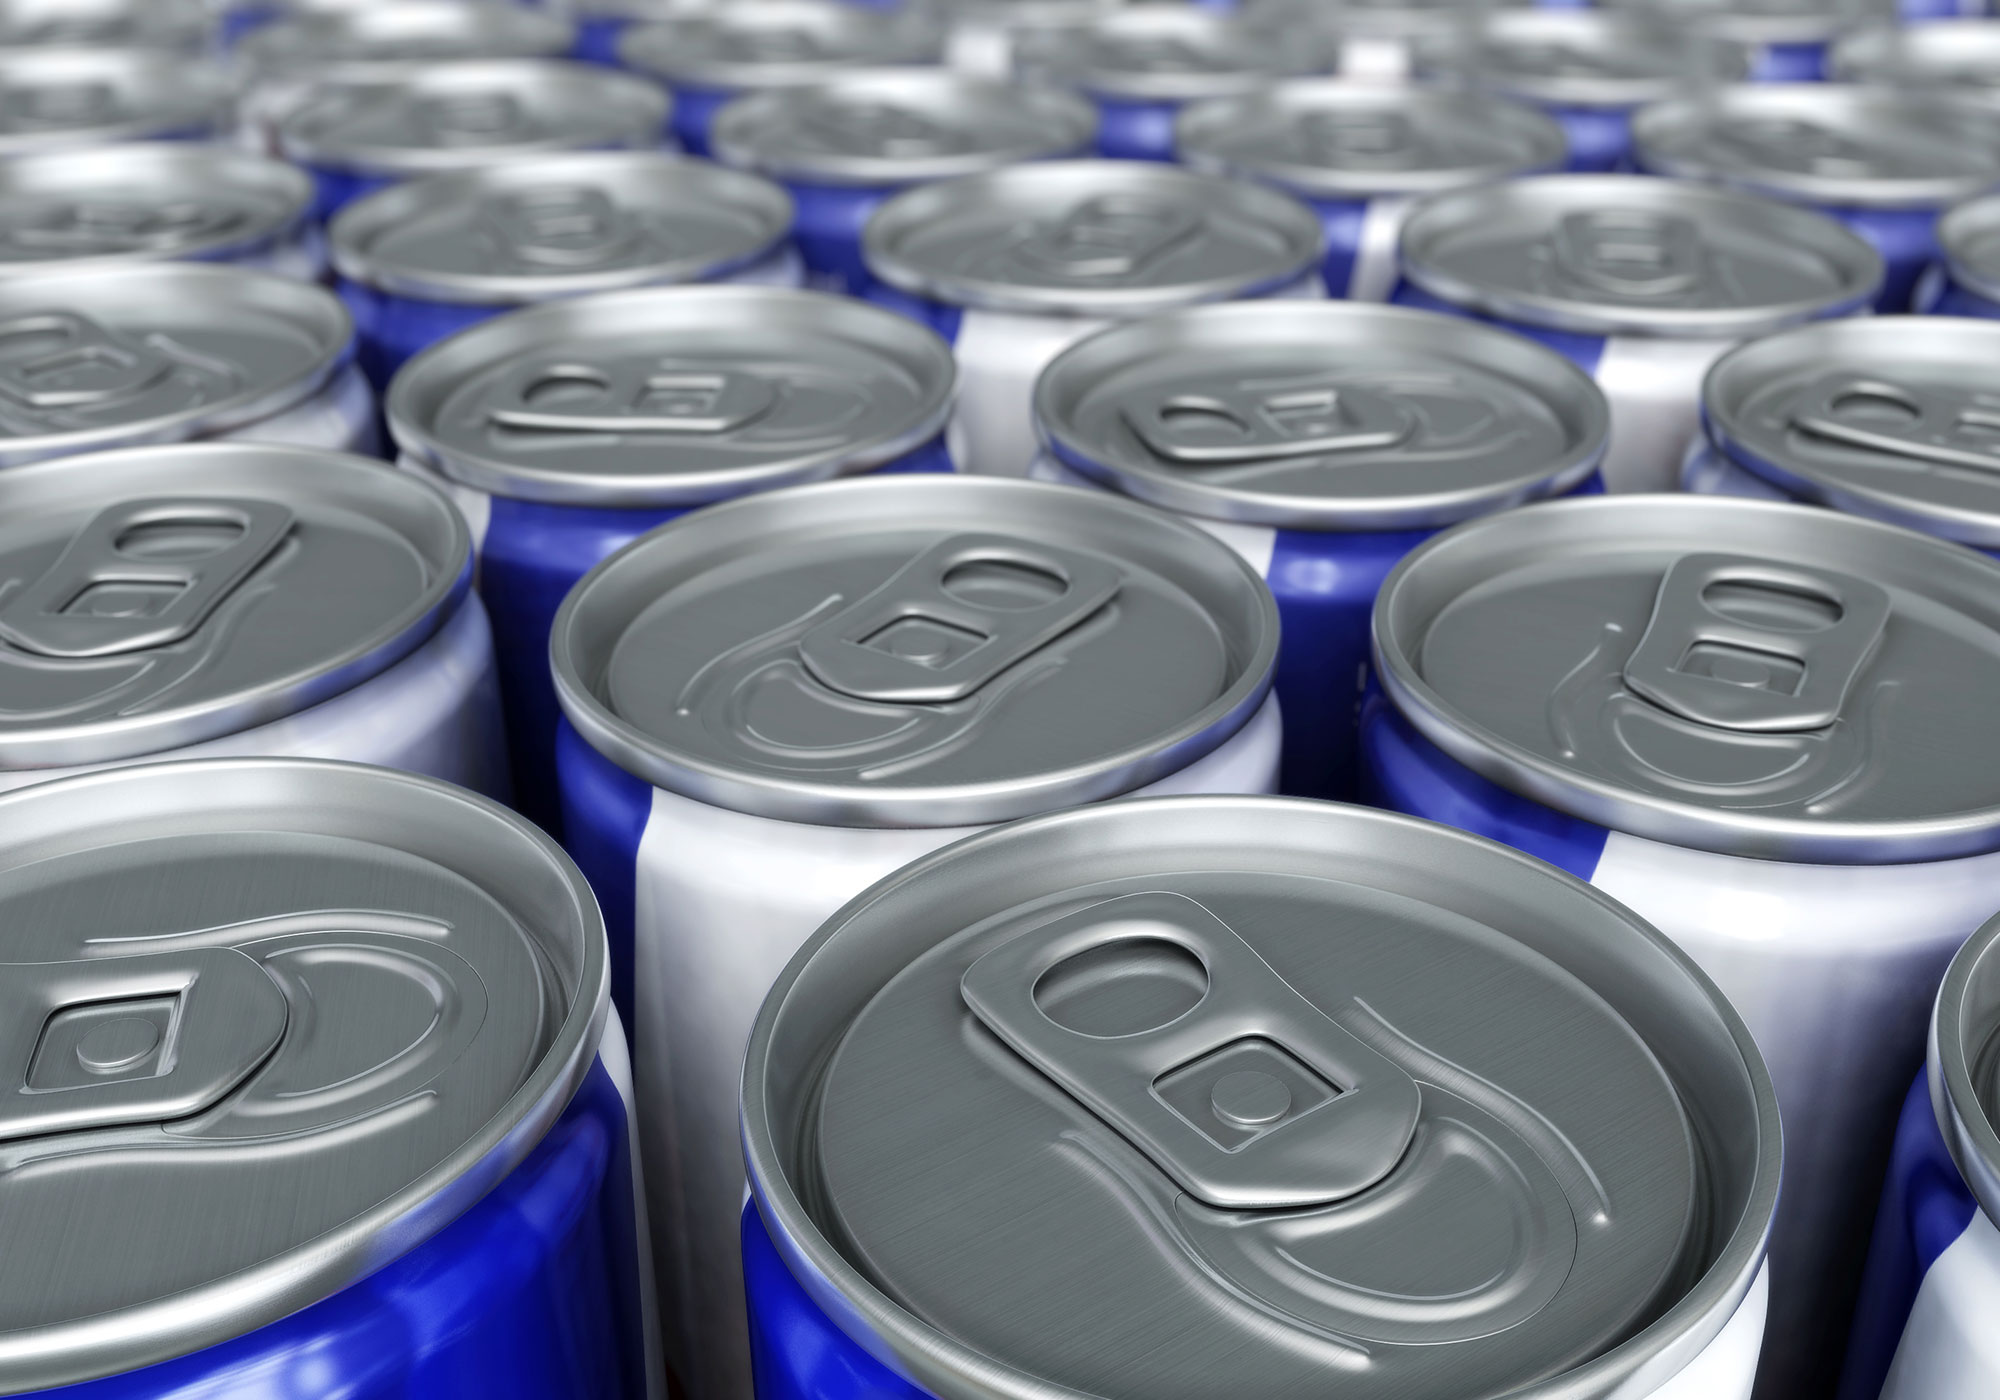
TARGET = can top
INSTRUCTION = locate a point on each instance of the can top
(1765, 680)
(776, 43)
(673, 396)
(644, 11)
(344, 1002)
(1869, 147)
(1322, 415)
(405, 32)
(1948, 51)
(106, 24)
(914, 651)
(1588, 58)
(143, 202)
(1091, 238)
(530, 229)
(1328, 139)
(51, 97)
(1755, 21)
(1969, 237)
(1965, 1089)
(453, 115)
(1377, 19)
(162, 596)
(1169, 53)
(1225, 1095)
(1630, 254)
(895, 126)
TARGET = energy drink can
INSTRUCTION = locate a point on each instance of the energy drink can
(1371, 41)
(779, 700)
(1015, 265)
(1784, 41)
(1756, 725)
(184, 26)
(845, 145)
(63, 99)
(1965, 280)
(1322, 441)
(984, 37)
(1643, 282)
(601, 23)
(1361, 156)
(1234, 1095)
(1937, 54)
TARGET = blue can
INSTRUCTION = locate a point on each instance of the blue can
(844, 145)
(602, 417)
(1965, 280)
(423, 260)
(600, 24)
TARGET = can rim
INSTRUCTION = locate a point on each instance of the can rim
(656, 48)
(1287, 56)
(1606, 30)
(1968, 1130)
(534, 33)
(203, 94)
(1961, 224)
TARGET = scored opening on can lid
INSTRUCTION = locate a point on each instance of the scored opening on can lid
(1631, 254)
(1969, 238)
(109, 24)
(778, 43)
(914, 651)
(328, 1004)
(1230, 1095)
(1964, 1071)
(1939, 51)
(406, 32)
(1585, 58)
(894, 126)
(54, 97)
(1322, 415)
(162, 596)
(1166, 53)
(1767, 680)
(534, 228)
(673, 396)
(1091, 238)
(1331, 139)
(1755, 21)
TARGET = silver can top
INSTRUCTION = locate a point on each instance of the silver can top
(1827, 144)
(1406, 20)
(325, 43)
(1228, 1095)
(327, 1004)
(1169, 53)
(1328, 139)
(1949, 52)
(531, 229)
(1964, 1085)
(1091, 238)
(1758, 21)
(161, 596)
(453, 116)
(1969, 237)
(52, 98)
(1586, 58)
(898, 126)
(915, 651)
(1322, 415)
(185, 25)
(1634, 255)
(673, 396)
(1766, 680)
(777, 43)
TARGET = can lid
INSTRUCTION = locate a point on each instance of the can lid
(1091, 238)
(328, 1004)
(106, 24)
(530, 229)
(1169, 53)
(162, 596)
(450, 116)
(1223, 1095)
(1322, 415)
(641, 10)
(1868, 147)
(52, 97)
(1329, 139)
(1586, 58)
(1373, 19)
(673, 396)
(1945, 51)
(1963, 1070)
(407, 31)
(1969, 237)
(777, 43)
(1756, 21)
(895, 126)
(1635, 255)
(914, 651)
(1765, 680)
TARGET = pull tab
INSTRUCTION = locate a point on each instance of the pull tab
(96, 1044)
(565, 227)
(1242, 424)
(471, 118)
(59, 359)
(1782, 144)
(109, 226)
(1367, 139)
(632, 397)
(1630, 252)
(59, 104)
(1946, 426)
(1171, 1028)
(881, 129)
(1112, 235)
(954, 617)
(1756, 646)
(142, 574)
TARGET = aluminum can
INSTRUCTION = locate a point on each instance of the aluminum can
(1043, 647)
(1372, 41)
(1965, 280)
(356, 138)
(340, 1036)
(97, 357)
(1784, 41)
(65, 98)
(1322, 442)
(1642, 282)
(184, 26)
(984, 37)
(844, 146)
(711, 57)
(1147, 1074)
(1361, 156)
(425, 259)
(566, 431)
(225, 599)
(1682, 700)
(1945, 53)
(601, 23)
(1016, 265)
(1885, 163)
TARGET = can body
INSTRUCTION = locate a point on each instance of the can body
(829, 220)
(1797, 62)
(1907, 241)
(1938, 294)
(694, 113)
(1128, 129)
(1360, 245)
(339, 418)
(597, 38)
(1600, 138)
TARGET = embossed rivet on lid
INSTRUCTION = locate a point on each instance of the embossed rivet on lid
(778, 43)
(1585, 58)
(1166, 53)
(108, 24)
(60, 97)
(406, 32)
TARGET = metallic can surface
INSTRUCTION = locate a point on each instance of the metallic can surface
(601, 23)
(984, 37)
(1125, 651)
(1823, 878)
(186, 26)
(64, 98)
(1015, 265)
(1643, 282)
(753, 388)
(1374, 41)
(1965, 281)
(1322, 442)
(363, 1014)
(1097, 1054)
(1785, 41)
(1943, 53)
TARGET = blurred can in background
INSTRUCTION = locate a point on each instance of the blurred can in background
(1965, 280)
(984, 37)
(185, 26)
(1370, 41)
(1928, 56)
(63, 99)
(1784, 41)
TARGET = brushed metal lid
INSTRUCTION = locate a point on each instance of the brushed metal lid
(777, 43)
(1169, 53)
(1924, 56)
(183, 25)
(55, 97)
(1585, 58)
(1758, 21)
(329, 42)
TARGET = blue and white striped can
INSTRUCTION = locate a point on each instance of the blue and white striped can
(69, 98)
(1965, 280)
